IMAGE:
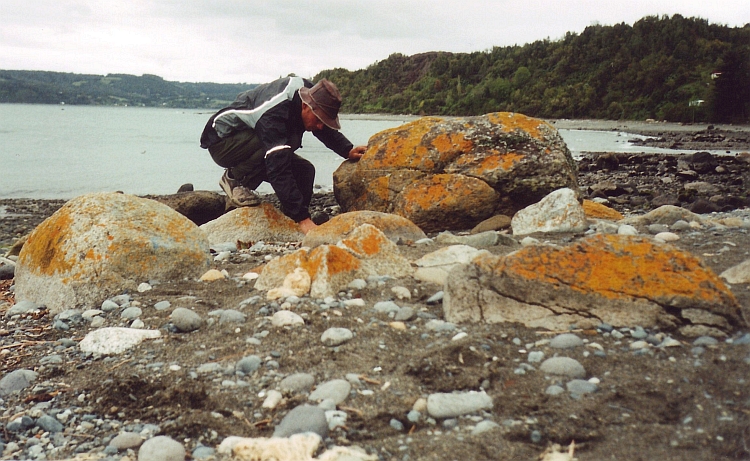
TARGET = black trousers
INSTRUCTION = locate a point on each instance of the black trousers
(243, 154)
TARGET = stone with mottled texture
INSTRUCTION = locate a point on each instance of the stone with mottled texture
(101, 244)
(252, 224)
(557, 212)
(453, 173)
(396, 228)
(620, 280)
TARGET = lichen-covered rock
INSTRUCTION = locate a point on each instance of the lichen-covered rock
(98, 245)
(251, 224)
(365, 252)
(454, 173)
(396, 228)
(598, 211)
(620, 280)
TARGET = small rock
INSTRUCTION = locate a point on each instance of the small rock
(304, 418)
(484, 426)
(16, 381)
(454, 405)
(185, 320)
(298, 382)
(563, 366)
(232, 316)
(580, 386)
(49, 424)
(336, 390)
(336, 336)
(248, 365)
(161, 448)
(286, 318)
(565, 341)
(126, 440)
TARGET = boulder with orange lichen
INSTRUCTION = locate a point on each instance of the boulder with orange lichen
(101, 244)
(365, 252)
(252, 224)
(396, 228)
(453, 173)
(598, 211)
(620, 280)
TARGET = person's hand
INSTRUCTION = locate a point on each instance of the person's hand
(356, 153)
(306, 225)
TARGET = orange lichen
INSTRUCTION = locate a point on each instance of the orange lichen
(511, 122)
(445, 142)
(619, 267)
(428, 193)
(368, 245)
(597, 210)
(43, 251)
(331, 258)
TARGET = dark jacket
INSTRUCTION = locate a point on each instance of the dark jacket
(274, 111)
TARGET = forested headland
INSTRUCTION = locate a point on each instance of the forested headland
(665, 68)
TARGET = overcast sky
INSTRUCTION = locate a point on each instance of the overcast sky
(254, 41)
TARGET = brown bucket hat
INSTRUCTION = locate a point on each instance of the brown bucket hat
(325, 100)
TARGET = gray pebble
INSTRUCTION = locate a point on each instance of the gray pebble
(22, 307)
(535, 356)
(161, 448)
(638, 333)
(405, 314)
(413, 416)
(185, 320)
(203, 452)
(742, 340)
(109, 306)
(248, 365)
(386, 307)
(336, 390)
(232, 316)
(51, 360)
(484, 426)
(162, 305)
(565, 341)
(49, 424)
(298, 382)
(563, 366)
(126, 440)
(705, 341)
(131, 313)
(336, 336)
(16, 381)
(436, 298)
(657, 228)
(452, 405)
(397, 425)
(304, 418)
(209, 367)
(580, 386)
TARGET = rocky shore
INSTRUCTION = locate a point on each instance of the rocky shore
(395, 379)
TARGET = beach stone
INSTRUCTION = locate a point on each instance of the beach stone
(273, 398)
(386, 307)
(286, 318)
(365, 252)
(559, 211)
(296, 283)
(248, 365)
(185, 320)
(619, 280)
(494, 223)
(434, 267)
(203, 452)
(565, 341)
(336, 336)
(131, 313)
(232, 316)
(303, 418)
(199, 206)
(161, 448)
(336, 390)
(100, 244)
(563, 366)
(298, 382)
(484, 426)
(665, 214)
(395, 228)
(739, 273)
(48, 423)
(252, 224)
(16, 381)
(126, 440)
(115, 340)
(445, 174)
(457, 404)
(22, 307)
(580, 387)
(595, 210)
(479, 240)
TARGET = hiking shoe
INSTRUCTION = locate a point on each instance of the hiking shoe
(320, 217)
(238, 194)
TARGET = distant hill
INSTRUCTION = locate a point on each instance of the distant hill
(666, 68)
(41, 87)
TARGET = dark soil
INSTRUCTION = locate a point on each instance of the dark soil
(676, 403)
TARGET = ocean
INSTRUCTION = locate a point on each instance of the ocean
(61, 151)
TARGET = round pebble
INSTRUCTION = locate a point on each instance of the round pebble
(304, 418)
(298, 382)
(161, 448)
(336, 336)
(185, 320)
(563, 366)
(336, 390)
(286, 318)
(565, 341)
(249, 364)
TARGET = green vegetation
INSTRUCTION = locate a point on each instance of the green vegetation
(40, 87)
(666, 68)
(660, 67)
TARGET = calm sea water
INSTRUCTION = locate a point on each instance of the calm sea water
(49, 151)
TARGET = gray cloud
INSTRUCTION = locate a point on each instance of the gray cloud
(255, 41)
